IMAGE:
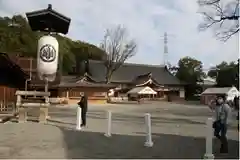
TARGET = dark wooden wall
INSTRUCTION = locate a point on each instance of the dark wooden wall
(7, 99)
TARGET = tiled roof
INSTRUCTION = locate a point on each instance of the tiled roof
(85, 84)
(223, 90)
(11, 74)
(140, 89)
(45, 18)
(135, 90)
(128, 72)
(81, 81)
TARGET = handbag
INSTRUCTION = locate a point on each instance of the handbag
(216, 124)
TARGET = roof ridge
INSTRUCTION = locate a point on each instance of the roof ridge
(218, 87)
(132, 64)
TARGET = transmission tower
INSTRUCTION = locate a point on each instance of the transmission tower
(165, 53)
(165, 50)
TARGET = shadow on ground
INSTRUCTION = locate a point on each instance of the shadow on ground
(95, 145)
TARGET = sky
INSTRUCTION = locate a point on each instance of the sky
(146, 22)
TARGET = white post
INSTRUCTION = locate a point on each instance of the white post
(148, 142)
(109, 124)
(79, 118)
(67, 94)
(209, 137)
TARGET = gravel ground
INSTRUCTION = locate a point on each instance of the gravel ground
(178, 132)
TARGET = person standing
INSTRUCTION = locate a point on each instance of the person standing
(222, 118)
(236, 105)
(236, 108)
(84, 107)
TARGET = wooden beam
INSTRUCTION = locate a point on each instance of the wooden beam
(32, 93)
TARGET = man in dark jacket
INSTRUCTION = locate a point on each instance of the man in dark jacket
(84, 106)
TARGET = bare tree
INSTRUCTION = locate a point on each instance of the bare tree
(222, 15)
(118, 49)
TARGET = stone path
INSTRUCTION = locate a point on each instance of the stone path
(177, 133)
(47, 141)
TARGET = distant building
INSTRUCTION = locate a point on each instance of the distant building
(211, 93)
(91, 80)
(207, 82)
(130, 75)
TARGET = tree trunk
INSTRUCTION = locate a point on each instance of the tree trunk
(108, 77)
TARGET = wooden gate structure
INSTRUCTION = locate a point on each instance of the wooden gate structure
(18, 73)
(7, 99)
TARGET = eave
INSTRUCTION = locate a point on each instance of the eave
(86, 78)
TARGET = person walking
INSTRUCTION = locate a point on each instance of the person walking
(84, 107)
(222, 118)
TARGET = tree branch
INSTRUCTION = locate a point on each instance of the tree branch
(227, 35)
(207, 2)
(118, 49)
(223, 15)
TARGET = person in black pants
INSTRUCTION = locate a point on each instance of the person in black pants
(84, 106)
(236, 107)
(220, 125)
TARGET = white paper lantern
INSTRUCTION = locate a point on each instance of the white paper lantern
(47, 63)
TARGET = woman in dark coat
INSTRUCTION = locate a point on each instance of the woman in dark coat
(84, 106)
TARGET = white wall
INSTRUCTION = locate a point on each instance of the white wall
(182, 93)
(232, 93)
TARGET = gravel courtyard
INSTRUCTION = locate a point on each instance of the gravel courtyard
(178, 132)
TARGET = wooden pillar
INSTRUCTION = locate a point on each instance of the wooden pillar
(43, 114)
(19, 99)
(22, 115)
(4, 97)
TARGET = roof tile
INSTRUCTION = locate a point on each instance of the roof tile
(129, 71)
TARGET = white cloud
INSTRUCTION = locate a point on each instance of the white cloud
(146, 22)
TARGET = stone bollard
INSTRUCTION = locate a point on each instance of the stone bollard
(148, 142)
(209, 137)
(109, 124)
(79, 119)
(22, 115)
(43, 111)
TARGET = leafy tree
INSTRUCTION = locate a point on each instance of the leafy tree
(223, 15)
(213, 72)
(190, 70)
(118, 48)
(226, 74)
(16, 37)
